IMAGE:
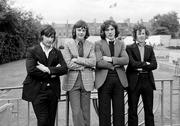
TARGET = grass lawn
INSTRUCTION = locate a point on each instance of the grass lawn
(13, 74)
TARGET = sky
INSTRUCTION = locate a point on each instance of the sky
(63, 11)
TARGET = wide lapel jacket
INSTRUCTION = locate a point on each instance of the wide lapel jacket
(135, 63)
(84, 64)
(137, 52)
(35, 54)
(35, 77)
(120, 59)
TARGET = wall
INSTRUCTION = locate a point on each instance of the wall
(152, 40)
(174, 42)
(165, 40)
(174, 57)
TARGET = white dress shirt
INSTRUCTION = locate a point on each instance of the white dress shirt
(45, 50)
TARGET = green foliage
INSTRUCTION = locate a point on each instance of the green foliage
(18, 31)
(165, 24)
(10, 48)
(173, 47)
(161, 31)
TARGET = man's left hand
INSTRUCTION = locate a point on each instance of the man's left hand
(106, 58)
(43, 68)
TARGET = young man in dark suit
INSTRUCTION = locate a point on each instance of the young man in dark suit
(110, 77)
(140, 77)
(44, 65)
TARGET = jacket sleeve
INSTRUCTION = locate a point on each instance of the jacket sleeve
(31, 63)
(100, 63)
(152, 61)
(138, 64)
(133, 63)
(68, 58)
(59, 70)
(89, 61)
(123, 58)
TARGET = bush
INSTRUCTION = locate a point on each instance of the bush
(173, 47)
(18, 31)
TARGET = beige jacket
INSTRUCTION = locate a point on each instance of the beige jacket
(84, 64)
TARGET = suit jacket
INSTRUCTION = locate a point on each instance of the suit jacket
(84, 64)
(135, 63)
(120, 59)
(35, 77)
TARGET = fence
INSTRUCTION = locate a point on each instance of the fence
(165, 87)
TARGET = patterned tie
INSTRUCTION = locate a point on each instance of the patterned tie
(80, 48)
(111, 47)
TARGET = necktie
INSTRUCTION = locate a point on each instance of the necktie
(80, 48)
(111, 47)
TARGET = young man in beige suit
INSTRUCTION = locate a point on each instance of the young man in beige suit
(110, 74)
(81, 60)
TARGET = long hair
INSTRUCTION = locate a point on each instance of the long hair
(80, 24)
(139, 27)
(104, 27)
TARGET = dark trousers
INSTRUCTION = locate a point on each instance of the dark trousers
(45, 106)
(143, 88)
(111, 90)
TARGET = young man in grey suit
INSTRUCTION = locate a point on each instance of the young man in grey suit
(110, 77)
(79, 81)
(44, 65)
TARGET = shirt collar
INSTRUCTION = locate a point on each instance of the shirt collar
(140, 44)
(76, 41)
(43, 47)
(108, 40)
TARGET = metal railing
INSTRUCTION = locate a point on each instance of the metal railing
(161, 101)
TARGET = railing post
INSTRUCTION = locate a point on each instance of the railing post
(28, 114)
(179, 95)
(171, 85)
(67, 109)
(162, 102)
(57, 115)
(18, 112)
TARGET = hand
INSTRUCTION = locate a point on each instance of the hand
(53, 76)
(117, 66)
(43, 68)
(106, 58)
(139, 69)
(74, 59)
(148, 63)
(58, 65)
(112, 68)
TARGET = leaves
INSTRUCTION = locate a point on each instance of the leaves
(166, 24)
(18, 31)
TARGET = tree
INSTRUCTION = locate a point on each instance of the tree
(161, 31)
(18, 30)
(166, 24)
